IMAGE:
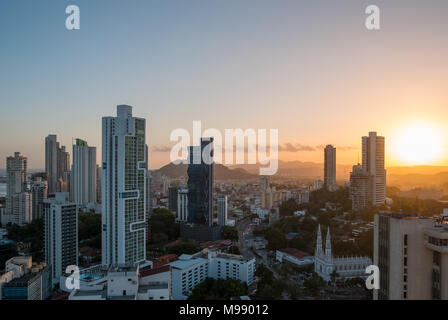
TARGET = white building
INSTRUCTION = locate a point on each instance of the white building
(222, 210)
(191, 270)
(346, 267)
(18, 200)
(84, 175)
(412, 254)
(182, 205)
(21, 205)
(61, 234)
(124, 174)
(123, 282)
(294, 256)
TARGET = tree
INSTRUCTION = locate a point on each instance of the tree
(185, 245)
(163, 226)
(313, 284)
(276, 239)
(32, 233)
(229, 232)
(218, 289)
(288, 207)
(265, 277)
(89, 229)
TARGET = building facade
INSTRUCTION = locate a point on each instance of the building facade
(39, 192)
(84, 175)
(330, 168)
(360, 185)
(124, 188)
(61, 234)
(222, 210)
(411, 253)
(190, 270)
(18, 208)
(373, 151)
(57, 165)
(200, 183)
(182, 205)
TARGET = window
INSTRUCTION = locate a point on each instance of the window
(405, 239)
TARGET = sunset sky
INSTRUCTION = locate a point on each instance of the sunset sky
(310, 69)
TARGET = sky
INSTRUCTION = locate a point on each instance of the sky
(310, 69)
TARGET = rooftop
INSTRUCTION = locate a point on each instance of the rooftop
(295, 253)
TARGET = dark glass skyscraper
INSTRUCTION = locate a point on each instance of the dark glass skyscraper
(200, 183)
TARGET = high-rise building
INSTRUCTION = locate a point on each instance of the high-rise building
(172, 198)
(123, 187)
(200, 183)
(84, 175)
(182, 205)
(18, 200)
(61, 234)
(222, 210)
(373, 163)
(411, 253)
(39, 192)
(16, 174)
(21, 205)
(360, 185)
(330, 168)
(57, 164)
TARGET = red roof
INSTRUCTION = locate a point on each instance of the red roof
(295, 252)
(149, 272)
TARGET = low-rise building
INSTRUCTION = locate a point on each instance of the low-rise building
(191, 270)
(294, 256)
(25, 280)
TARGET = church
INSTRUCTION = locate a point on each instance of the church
(346, 267)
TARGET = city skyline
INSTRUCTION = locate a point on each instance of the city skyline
(223, 63)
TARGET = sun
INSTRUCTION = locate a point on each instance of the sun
(418, 144)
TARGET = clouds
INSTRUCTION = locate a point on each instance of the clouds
(297, 147)
(285, 147)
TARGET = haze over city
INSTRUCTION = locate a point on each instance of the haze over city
(311, 70)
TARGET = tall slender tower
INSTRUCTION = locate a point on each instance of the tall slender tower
(328, 245)
(373, 163)
(123, 187)
(330, 168)
(200, 183)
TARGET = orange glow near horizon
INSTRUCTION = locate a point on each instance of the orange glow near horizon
(418, 143)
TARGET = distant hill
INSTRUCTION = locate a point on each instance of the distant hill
(220, 172)
(299, 169)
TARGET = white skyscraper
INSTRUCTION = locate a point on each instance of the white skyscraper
(222, 210)
(61, 234)
(373, 163)
(84, 175)
(123, 187)
(18, 200)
